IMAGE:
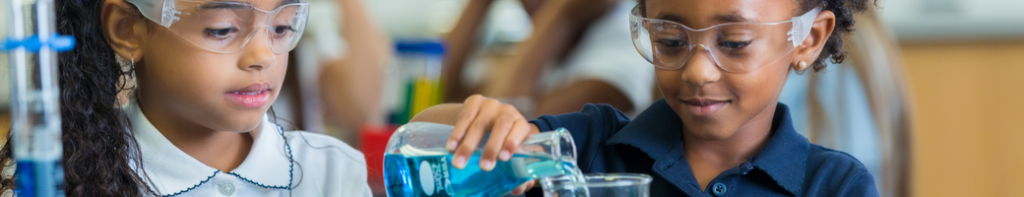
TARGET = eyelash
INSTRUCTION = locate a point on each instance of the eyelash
(286, 27)
(216, 32)
(672, 42)
(733, 44)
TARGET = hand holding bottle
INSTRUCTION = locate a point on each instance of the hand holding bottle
(507, 128)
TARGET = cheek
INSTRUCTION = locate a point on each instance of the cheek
(669, 82)
(755, 90)
(193, 74)
(278, 72)
(281, 68)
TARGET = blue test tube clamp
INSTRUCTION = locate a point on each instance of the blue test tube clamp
(57, 42)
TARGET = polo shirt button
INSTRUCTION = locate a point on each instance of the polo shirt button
(719, 189)
(226, 188)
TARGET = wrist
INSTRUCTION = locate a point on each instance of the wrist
(534, 129)
(579, 13)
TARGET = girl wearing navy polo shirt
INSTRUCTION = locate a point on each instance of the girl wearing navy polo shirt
(719, 130)
(197, 121)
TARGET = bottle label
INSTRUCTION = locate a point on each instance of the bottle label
(426, 178)
(434, 177)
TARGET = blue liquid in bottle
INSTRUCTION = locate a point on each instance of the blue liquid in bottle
(433, 175)
(39, 178)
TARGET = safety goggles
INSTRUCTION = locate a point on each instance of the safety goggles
(227, 26)
(734, 47)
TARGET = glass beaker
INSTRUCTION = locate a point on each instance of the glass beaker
(416, 163)
(598, 184)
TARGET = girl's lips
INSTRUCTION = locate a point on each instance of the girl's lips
(704, 108)
(252, 96)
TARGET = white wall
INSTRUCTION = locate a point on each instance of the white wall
(405, 19)
(955, 20)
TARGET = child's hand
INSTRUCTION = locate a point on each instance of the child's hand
(508, 128)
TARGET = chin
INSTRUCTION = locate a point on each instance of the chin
(243, 123)
(707, 132)
(706, 128)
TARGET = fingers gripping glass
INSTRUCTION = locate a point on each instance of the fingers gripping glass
(734, 47)
(226, 26)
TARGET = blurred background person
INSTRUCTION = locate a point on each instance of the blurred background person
(578, 52)
(861, 106)
(335, 85)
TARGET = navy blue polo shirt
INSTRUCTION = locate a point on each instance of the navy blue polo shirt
(607, 141)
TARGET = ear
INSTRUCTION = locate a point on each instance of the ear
(123, 29)
(810, 49)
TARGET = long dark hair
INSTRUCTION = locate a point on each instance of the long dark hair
(100, 151)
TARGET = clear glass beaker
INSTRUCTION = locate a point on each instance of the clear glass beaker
(597, 184)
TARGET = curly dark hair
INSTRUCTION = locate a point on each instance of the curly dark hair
(843, 9)
(100, 151)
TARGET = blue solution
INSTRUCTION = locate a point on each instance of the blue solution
(434, 175)
(39, 178)
(25, 182)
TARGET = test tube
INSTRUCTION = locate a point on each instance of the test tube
(35, 115)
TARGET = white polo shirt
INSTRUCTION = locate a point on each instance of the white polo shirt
(280, 163)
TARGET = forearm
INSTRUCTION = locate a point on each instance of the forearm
(460, 43)
(519, 74)
(443, 114)
(350, 92)
(573, 97)
(449, 114)
(368, 45)
(350, 87)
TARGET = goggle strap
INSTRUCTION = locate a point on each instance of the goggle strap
(164, 13)
(802, 26)
(169, 14)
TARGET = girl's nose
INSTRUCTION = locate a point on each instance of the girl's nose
(257, 54)
(701, 68)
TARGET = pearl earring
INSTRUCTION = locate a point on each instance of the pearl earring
(802, 65)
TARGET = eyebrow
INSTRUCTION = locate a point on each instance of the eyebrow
(249, 2)
(733, 17)
(286, 2)
(224, 5)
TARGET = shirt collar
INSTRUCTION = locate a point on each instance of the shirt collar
(172, 171)
(656, 131)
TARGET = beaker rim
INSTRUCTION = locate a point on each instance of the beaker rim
(609, 179)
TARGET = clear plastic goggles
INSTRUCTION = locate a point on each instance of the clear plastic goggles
(735, 47)
(227, 26)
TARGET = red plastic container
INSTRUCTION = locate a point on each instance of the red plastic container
(373, 139)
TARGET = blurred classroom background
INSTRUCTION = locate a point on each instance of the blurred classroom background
(965, 65)
(941, 94)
